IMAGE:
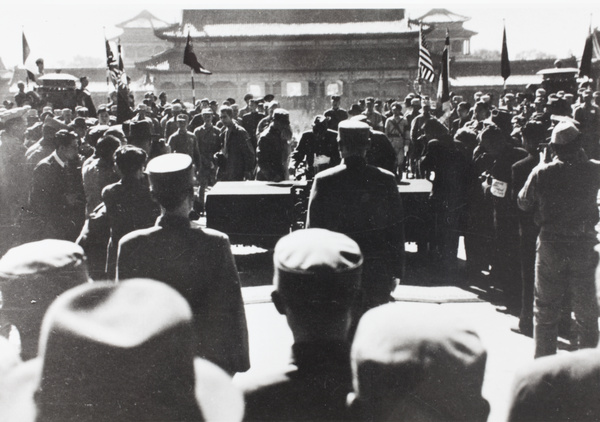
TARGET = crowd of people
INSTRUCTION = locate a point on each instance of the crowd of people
(84, 199)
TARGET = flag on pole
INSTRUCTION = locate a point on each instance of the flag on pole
(190, 59)
(504, 61)
(585, 67)
(26, 52)
(443, 93)
(110, 57)
(26, 49)
(121, 67)
(425, 64)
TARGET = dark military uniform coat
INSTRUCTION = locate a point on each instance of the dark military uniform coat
(363, 202)
(57, 201)
(198, 263)
(313, 388)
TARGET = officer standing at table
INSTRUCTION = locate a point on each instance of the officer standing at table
(363, 202)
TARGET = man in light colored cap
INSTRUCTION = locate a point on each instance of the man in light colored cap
(273, 149)
(183, 141)
(13, 195)
(317, 277)
(563, 195)
(417, 365)
(171, 124)
(266, 121)
(362, 202)
(119, 352)
(46, 145)
(197, 262)
(32, 275)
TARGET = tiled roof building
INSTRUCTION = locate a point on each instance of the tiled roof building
(138, 40)
(291, 53)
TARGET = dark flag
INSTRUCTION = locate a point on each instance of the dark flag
(504, 61)
(425, 64)
(121, 67)
(190, 59)
(26, 49)
(26, 52)
(443, 94)
(110, 57)
(444, 83)
(585, 67)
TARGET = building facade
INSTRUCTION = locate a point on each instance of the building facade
(138, 40)
(300, 56)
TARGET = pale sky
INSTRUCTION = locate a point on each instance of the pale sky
(60, 30)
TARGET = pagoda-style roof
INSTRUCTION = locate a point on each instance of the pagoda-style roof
(442, 16)
(278, 24)
(144, 19)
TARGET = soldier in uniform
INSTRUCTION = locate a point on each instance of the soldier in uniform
(183, 141)
(563, 195)
(273, 150)
(129, 205)
(250, 121)
(316, 151)
(335, 113)
(376, 119)
(197, 262)
(207, 138)
(84, 98)
(236, 157)
(317, 277)
(57, 197)
(372, 211)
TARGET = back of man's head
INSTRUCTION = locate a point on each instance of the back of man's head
(565, 139)
(353, 137)
(317, 276)
(171, 179)
(106, 147)
(533, 134)
(32, 275)
(410, 364)
(130, 159)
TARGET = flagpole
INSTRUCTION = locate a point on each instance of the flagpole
(504, 83)
(193, 88)
(24, 58)
(107, 70)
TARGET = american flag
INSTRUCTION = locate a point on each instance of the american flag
(425, 64)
